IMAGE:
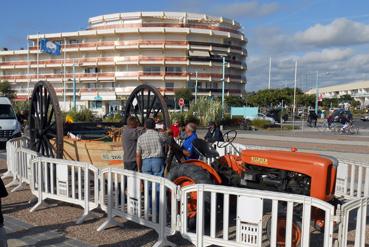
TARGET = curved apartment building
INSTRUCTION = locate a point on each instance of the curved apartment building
(117, 52)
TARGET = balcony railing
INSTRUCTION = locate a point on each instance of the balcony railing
(81, 61)
(161, 24)
(137, 74)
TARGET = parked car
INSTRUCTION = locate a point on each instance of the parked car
(276, 115)
(262, 116)
(365, 118)
(9, 124)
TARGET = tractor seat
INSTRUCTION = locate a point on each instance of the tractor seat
(204, 148)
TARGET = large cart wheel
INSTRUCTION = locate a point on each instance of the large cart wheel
(146, 102)
(45, 121)
(188, 174)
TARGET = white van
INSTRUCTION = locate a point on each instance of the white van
(9, 125)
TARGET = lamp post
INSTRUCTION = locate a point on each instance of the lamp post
(270, 70)
(317, 92)
(223, 78)
(294, 98)
(196, 80)
(74, 84)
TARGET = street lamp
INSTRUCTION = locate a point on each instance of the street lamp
(317, 92)
(196, 86)
(223, 78)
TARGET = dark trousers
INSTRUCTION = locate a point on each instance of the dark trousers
(130, 165)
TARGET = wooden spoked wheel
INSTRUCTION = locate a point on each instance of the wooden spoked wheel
(147, 102)
(45, 121)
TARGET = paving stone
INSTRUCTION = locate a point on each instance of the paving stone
(22, 234)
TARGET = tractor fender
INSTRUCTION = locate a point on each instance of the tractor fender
(207, 167)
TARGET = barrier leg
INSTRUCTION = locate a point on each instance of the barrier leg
(17, 187)
(39, 187)
(83, 217)
(109, 221)
(162, 238)
(7, 174)
(12, 183)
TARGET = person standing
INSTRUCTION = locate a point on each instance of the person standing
(130, 135)
(149, 153)
(3, 193)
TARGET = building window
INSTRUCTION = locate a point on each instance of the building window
(151, 69)
(92, 70)
(74, 41)
(169, 85)
(173, 69)
(95, 104)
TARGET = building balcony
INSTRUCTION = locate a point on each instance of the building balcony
(170, 25)
(129, 75)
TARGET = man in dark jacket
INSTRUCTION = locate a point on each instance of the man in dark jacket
(3, 193)
(129, 136)
(214, 133)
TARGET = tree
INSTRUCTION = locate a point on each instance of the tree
(234, 101)
(267, 97)
(184, 93)
(305, 100)
(6, 90)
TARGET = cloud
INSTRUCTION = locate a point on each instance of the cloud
(236, 9)
(245, 9)
(327, 55)
(340, 32)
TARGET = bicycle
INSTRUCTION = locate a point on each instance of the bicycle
(347, 130)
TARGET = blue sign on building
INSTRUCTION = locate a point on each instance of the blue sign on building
(50, 47)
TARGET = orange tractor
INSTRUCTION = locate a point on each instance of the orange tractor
(282, 171)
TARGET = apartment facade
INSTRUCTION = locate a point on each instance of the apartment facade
(359, 90)
(118, 52)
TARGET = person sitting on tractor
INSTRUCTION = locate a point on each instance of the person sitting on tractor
(187, 148)
(214, 133)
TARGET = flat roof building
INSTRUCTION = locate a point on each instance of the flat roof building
(118, 52)
(359, 90)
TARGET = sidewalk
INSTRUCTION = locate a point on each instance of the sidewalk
(23, 234)
(302, 139)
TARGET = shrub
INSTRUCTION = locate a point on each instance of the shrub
(116, 118)
(84, 115)
(260, 123)
(206, 110)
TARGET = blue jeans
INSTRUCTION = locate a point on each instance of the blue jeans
(154, 166)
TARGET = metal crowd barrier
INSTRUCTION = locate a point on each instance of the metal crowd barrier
(11, 147)
(242, 223)
(64, 180)
(224, 216)
(147, 200)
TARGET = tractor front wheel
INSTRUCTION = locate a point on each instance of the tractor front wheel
(281, 231)
(188, 174)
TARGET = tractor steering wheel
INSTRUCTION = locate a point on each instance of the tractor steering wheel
(228, 138)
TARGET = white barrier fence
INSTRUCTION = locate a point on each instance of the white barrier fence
(64, 180)
(240, 222)
(11, 147)
(145, 199)
(218, 216)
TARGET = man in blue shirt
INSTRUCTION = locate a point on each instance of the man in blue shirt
(187, 148)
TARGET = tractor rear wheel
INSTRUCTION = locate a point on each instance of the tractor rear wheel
(188, 174)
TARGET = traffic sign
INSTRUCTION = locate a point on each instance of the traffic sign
(181, 102)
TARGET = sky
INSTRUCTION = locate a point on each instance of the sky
(327, 37)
